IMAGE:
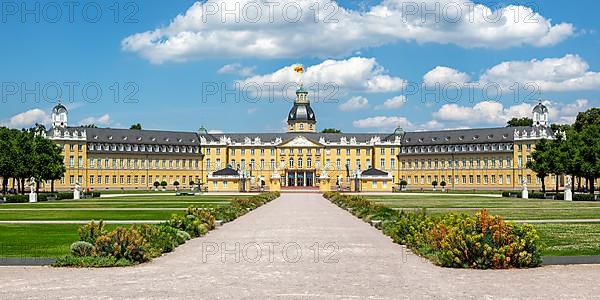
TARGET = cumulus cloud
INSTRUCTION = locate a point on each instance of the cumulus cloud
(354, 103)
(236, 69)
(568, 73)
(293, 28)
(353, 74)
(388, 123)
(566, 113)
(392, 103)
(496, 114)
(441, 76)
(484, 112)
(103, 120)
(27, 119)
(383, 122)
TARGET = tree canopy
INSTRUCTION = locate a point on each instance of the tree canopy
(331, 130)
(27, 153)
(136, 126)
(517, 122)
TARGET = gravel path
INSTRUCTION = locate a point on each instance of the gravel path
(354, 261)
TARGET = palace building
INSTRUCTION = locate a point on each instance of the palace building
(485, 158)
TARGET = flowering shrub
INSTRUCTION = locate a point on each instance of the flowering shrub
(453, 240)
(126, 246)
(122, 242)
(91, 231)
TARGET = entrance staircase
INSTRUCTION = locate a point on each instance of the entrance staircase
(299, 189)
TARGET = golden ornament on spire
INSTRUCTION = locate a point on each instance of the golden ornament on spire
(299, 68)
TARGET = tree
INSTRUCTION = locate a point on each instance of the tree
(89, 126)
(8, 155)
(589, 154)
(136, 126)
(540, 161)
(517, 122)
(192, 183)
(589, 117)
(403, 184)
(331, 130)
(156, 184)
(176, 185)
(48, 162)
(434, 183)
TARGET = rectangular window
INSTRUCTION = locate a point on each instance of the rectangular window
(99, 179)
(91, 179)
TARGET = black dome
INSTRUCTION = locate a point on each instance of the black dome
(59, 108)
(302, 112)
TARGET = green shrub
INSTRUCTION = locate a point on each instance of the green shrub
(453, 240)
(91, 262)
(81, 248)
(17, 199)
(203, 215)
(583, 197)
(158, 239)
(124, 243)
(91, 231)
(182, 236)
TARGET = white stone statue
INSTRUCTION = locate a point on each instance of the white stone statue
(32, 188)
(568, 186)
(324, 172)
(76, 191)
(524, 192)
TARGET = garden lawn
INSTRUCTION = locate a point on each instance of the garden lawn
(570, 239)
(38, 240)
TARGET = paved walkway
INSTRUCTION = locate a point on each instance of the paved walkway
(355, 261)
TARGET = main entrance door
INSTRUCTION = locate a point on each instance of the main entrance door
(300, 178)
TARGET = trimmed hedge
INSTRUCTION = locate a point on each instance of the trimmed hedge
(44, 197)
(452, 240)
(140, 243)
(559, 196)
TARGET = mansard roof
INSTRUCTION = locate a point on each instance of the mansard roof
(424, 138)
(146, 137)
(465, 136)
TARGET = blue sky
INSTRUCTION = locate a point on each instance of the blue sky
(367, 50)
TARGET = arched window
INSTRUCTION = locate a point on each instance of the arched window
(291, 163)
(309, 162)
(301, 126)
(300, 162)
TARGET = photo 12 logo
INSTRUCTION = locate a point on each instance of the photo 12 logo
(253, 252)
(91, 92)
(68, 11)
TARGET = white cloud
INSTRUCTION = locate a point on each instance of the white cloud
(484, 112)
(354, 103)
(252, 110)
(441, 76)
(103, 120)
(237, 69)
(496, 114)
(382, 122)
(389, 123)
(354, 74)
(215, 131)
(566, 113)
(568, 73)
(291, 28)
(27, 119)
(392, 103)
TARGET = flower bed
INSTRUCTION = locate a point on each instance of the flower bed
(452, 240)
(125, 246)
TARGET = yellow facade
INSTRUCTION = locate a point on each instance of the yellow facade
(112, 159)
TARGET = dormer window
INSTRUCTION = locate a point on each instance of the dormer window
(110, 137)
